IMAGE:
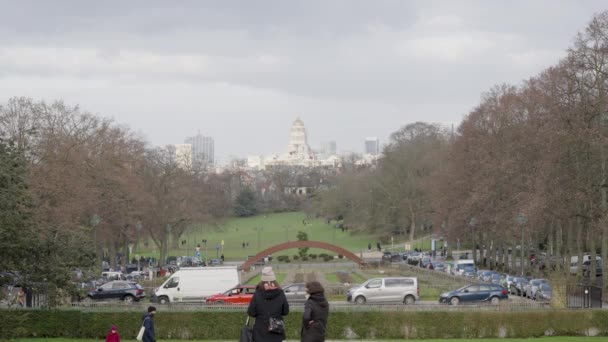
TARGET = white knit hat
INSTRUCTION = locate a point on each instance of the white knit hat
(268, 274)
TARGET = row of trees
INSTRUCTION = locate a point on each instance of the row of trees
(525, 170)
(88, 186)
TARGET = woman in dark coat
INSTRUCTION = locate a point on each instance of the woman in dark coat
(268, 301)
(316, 312)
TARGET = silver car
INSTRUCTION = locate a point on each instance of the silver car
(295, 292)
(386, 290)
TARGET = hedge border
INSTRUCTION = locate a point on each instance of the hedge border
(342, 325)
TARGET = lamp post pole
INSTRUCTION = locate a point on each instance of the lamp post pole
(521, 219)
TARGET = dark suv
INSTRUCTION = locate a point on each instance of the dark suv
(118, 290)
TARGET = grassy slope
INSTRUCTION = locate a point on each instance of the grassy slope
(273, 229)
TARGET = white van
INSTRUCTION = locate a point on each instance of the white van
(460, 265)
(586, 263)
(396, 290)
(194, 284)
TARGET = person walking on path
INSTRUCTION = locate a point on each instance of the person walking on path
(148, 322)
(316, 312)
(268, 302)
(112, 335)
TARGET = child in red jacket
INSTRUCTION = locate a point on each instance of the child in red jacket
(112, 335)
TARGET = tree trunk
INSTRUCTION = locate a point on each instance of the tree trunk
(412, 224)
(579, 245)
(559, 247)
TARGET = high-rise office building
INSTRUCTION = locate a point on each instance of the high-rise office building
(183, 155)
(372, 146)
(203, 151)
(331, 148)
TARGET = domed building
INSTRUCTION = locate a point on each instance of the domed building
(298, 149)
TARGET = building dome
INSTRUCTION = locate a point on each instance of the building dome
(298, 148)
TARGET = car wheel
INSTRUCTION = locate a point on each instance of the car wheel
(494, 300)
(128, 299)
(409, 300)
(163, 300)
(360, 300)
(454, 300)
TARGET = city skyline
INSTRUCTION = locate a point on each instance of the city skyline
(243, 71)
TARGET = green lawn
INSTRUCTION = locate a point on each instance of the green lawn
(261, 232)
(255, 280)
(332, 278)
(539, 339)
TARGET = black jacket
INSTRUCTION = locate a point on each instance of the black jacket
(316, 310)
(149, 331)
(263, 305)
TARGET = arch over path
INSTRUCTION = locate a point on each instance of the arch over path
(300, 244)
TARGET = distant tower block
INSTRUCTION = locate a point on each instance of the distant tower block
(298, 148)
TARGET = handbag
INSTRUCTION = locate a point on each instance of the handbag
(246, 332)
(276, 326)
(140, 335)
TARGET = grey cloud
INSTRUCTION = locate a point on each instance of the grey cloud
(367, 67)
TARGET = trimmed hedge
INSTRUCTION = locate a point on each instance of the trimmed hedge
(342, 325)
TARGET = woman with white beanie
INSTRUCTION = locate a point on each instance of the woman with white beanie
(268, 306)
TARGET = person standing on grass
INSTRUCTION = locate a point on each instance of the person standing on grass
(316, 312)
(148, 323)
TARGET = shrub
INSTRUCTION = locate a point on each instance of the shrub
(296, 257)
(312, 256)
(340, 256)
(225, 325)
(304, 258)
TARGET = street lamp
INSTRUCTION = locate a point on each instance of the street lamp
(522, 220)
(204, 241)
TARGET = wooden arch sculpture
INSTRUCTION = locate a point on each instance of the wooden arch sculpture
(300, 244)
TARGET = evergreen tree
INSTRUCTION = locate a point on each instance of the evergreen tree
(245, 204)
(17, 236)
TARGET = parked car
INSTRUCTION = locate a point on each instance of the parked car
(386, 255)
(475, 293)
(532, 286)
(385, 290)
(484, 275)
(469, 271)
(295, 292)
(413, 258)
(118, 290)
(509, 282)
(518, 288)
(113, 275)
(495, 278)
(460, 265)
(215, 262)
(241, 294)
(438, 266)
(425, 262)
(544, 292)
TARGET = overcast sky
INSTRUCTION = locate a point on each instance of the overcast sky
(242, 71)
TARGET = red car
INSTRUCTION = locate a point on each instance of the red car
(241, 294)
